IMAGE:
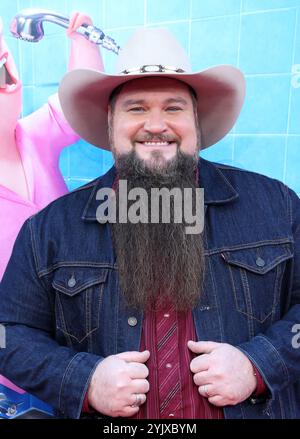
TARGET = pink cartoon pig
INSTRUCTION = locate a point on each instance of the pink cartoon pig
(30, 147)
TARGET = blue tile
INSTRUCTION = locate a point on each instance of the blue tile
(15, 50)
(259, 5)
(74, 183)
(107, 161)
(255, 152)
(51, 68)
(59, 6)
(41, 95)
(180, 30)
(8, 9)
(266, 106)
(120, 37)
(267, 42)
(293, 163)
(167, 10)
(64, 163)
(28, 101)
(213, 8)
(123, 14)
(294, 126)
(214, 42)
(85, 161)
(90, 7)
(23, 4)
(26, 63)
(297, 39)
(221, 152)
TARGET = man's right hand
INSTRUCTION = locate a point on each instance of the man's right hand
(118, 383)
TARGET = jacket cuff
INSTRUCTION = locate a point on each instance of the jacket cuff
(75, 383)
(261, 387)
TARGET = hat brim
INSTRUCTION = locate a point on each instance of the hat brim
(84, 96)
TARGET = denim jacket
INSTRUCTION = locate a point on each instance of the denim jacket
(64, 312)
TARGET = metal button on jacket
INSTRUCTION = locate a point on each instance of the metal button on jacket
(132, 321)
(72, 282)
(260, 262)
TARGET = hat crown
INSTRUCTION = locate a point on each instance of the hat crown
(152, 46)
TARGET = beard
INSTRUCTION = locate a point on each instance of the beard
(159, 262)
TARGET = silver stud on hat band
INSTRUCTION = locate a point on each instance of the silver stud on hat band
(152, 68)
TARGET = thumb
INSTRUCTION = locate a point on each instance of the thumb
(202, 347)
(134, 356)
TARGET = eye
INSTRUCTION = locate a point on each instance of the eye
(173, 109)
(136, 109)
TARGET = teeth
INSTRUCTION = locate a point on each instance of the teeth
(156, 143)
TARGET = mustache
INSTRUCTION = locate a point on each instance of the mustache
(150, 137)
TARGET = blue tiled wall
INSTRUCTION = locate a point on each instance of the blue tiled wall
(262, 37)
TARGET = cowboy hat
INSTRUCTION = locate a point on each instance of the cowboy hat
(84, 93)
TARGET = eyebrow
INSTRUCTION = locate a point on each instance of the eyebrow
(176, 100)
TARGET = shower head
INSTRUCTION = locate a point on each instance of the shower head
(28, 25)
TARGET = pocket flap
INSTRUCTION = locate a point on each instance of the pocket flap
(72, 280)
(259, 260)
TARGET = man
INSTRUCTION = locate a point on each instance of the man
(139, 318)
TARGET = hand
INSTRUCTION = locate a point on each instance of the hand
(76, 20)
(116, 382)
(222, 373)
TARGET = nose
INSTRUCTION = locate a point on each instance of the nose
(155, 122)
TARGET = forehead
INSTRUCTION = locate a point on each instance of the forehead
(155, 85)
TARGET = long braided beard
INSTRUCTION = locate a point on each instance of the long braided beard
(158, 262)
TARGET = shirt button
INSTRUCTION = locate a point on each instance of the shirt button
(260, 262)
(169, 366)
(171, 415)
(72, 282)
(167, 315)
(132, 321)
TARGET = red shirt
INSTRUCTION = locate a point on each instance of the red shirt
(189, 403)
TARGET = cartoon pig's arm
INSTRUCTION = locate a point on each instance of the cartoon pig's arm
(49, 118)
(83, 53)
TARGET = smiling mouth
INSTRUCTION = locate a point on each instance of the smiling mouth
(158, 143)
(7, 81)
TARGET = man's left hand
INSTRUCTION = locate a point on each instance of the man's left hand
(222, 373)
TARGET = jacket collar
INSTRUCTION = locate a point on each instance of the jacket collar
(217, 189)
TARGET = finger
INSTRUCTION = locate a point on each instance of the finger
(202, 378)
(140, 386)
(137, 398)
(137, 370)
(129, 411)
(200, 363)
(134, 356)
(217, 400)
(80, 19)
(202, 347)
(207, 390)
(71, 27)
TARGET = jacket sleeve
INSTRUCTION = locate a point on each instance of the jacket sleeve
(275, 353)
(30, 356)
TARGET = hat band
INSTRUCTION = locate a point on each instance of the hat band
(152, 68)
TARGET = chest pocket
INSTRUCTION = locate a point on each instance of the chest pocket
(256, 276)
(78, 300)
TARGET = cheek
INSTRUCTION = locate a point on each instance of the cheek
(189, 140)
(125, 130)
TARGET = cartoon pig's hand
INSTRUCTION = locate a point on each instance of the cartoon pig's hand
(76, 20)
